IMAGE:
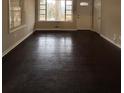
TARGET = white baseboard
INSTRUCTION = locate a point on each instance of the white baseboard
(17, 43)
(85, 29)
(119, 46)
(60, 29)
(56, 29)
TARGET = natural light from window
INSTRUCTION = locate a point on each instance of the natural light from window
(15, 13)
(55, 10)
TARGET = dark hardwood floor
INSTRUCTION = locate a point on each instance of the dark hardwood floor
(63, 62)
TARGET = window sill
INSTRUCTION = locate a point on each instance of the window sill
(18, 28)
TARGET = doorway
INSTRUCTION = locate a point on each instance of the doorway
(84, 14)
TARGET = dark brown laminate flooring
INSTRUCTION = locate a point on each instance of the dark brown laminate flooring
(63, 62)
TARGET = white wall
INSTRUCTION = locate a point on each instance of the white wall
(97, 17)
(10, 39)
(111, 20)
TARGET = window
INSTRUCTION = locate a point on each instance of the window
(55, 10)
(15, 13)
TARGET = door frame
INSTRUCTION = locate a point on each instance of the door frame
(91, 16)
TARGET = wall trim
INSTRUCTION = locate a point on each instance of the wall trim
(17, 43)
(61, 29)
(55, 29)
(119, 46)
(22, 39)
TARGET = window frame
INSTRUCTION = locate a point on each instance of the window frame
(45, 21)
(23, 23)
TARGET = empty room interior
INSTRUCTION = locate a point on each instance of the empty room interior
(61, 46)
